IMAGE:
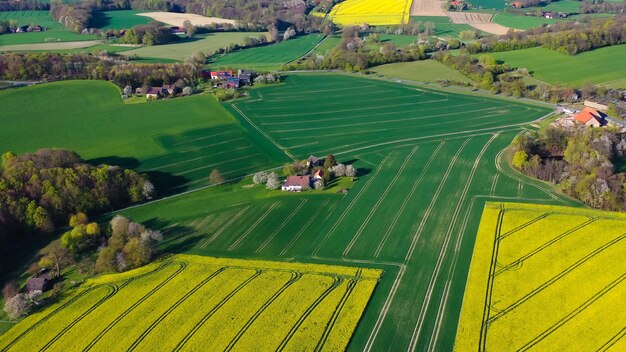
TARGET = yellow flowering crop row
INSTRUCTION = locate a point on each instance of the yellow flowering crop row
(373, 12)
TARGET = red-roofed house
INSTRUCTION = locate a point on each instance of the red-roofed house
(591, 117)
(221, 75)
(296, 183)
(517, 4)
(319, 174)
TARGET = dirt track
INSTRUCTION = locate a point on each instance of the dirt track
(50, 46)
(480, 21)
(177, 19)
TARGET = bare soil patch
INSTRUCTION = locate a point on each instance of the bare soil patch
(50, 46)
(480, 21)
(177, 19)
(427, 8)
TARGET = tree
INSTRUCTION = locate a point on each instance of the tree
(18, 306)
(191, 31)
(56, 257)
(259, 178)
(215, 177)
(519, 159)
(9, 290)
(350, 171)
(330, 161)
(187, 90)
(318, 185)
(272, 181)
(79, 218)
(288, 170)
(339, 170)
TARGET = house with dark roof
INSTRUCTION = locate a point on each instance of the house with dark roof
(232, 82)
(246, 77)
(313, 161)
(38, 284)
(154, 93)
(591, 117)
(296, 183)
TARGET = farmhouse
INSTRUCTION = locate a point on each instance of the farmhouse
(221, 75)
(38, 284)
(232, 82)
(296, 183)
(591, 117)
(596, 105)
(246, 77)
(517, 4)
(312, 161)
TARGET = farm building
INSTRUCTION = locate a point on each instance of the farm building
(246, 77)
(318, 175)
(591, 117)
(596, 105)
(312, 161)
(38, 284)
(154, 93)
(232, 82)
(221, 75)
(296, 183)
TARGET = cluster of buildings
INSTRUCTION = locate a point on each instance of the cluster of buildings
(26, 29)
(166, 90)
(592, 115)
(228, 79)
(299, 183)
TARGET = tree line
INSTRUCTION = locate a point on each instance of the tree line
(39, 191)
(586, 163)
(28, 5)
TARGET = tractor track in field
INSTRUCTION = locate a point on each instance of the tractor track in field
(133, 307)
(173, 307)
(524, 225)
(331, 323)
(349, 207)
(545, 245)
(303, 229)
(444, 250)
(224, 227)
(407, 199)
(295, 277)
(574, 313)
(281, 227)
(613, 340)
(209, 314)
(555, 278)
(380, 200)
(245, 235)
(336, 283)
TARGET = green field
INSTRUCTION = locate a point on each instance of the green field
(421, 71)
(444, 26)
(177, 141)
(545, 278)
(54, 31)
(269, 57)
(596, 66)
(122, 19)
(427, 162)
(490, 4)
(205, 43)
(202, 303)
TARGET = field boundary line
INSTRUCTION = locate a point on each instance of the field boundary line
(267, 136)
(524, 225)
(557, 277)
(303, 229)
(613, 340)
(282, 225)
(173, 307)
(444, 248)
(407, 199)
(380, 200)
(209, 314)
(224, 227)
(434, 199)
(237, 243)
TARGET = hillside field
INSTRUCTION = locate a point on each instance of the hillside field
(121, 19)
(444, 27)
(206, 43)
(178, 141)
(545, 278)
(268, 57)
(421, 71)
(373, 12)
(54, 31)
(202, 303)
(600, 65)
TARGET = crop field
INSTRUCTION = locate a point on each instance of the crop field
(122, 19)
(373, 12)
(202, 303)
(490, 4)
(206, 43)
(540, 276)
(177, 142)
(54, 31)
(444, 27)
(601, 65)
(421, 71)
(269, 57)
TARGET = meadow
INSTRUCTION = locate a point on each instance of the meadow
(122, 19)
(268, 57)
(177, 142)
(421, 71)
(205, 43)
(54, 31)
(192, 303)
(376, 13)
(444, 27)
(540, 276)
(600, 65)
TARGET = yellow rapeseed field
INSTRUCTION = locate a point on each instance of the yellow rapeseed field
(372, 12)
(194, 303)
(545, 278)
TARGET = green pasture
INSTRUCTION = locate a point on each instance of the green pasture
(54, 31)
(567, 6)
(178, 141)
(122, 19)
(329, 43)
(444, 26)
(527, 22)
(490, 4)
(206, 43)
(268, 57)
(598, 66)
(421, 71)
